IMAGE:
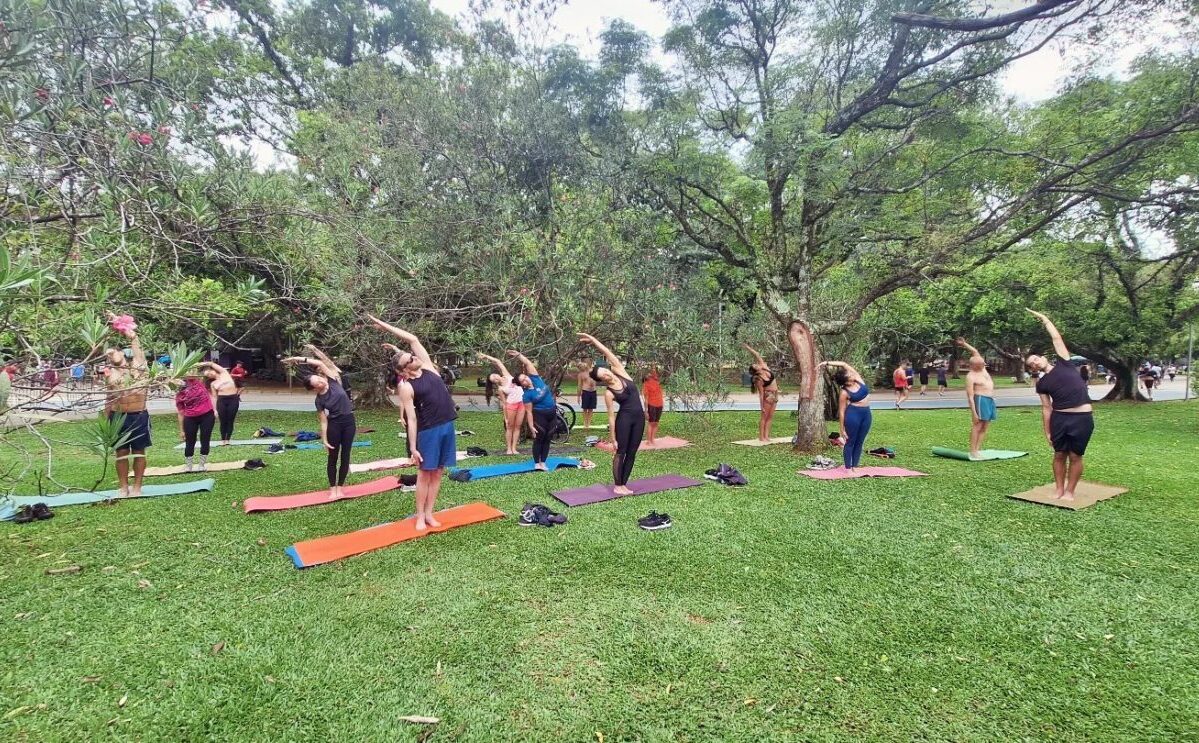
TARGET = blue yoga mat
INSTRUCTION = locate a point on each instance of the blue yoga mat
(513, 468)
(319, 445)
(79, 499)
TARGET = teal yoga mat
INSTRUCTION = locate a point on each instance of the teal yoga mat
(985, 454)
(512, 468)
(79, 499)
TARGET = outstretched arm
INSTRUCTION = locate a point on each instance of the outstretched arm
(413, 342)
(757, 356)
(499, 365)
(614, 361)
(529, 367)
(212, 365)
(852, 372)
(320, 355)
(973, 351)
(320, 366)
(1059, 345)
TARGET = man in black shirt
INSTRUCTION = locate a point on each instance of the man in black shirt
(1065, 411)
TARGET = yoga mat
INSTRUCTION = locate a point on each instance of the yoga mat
(240, 442)
(755, 442)
(181, 469)
(392, 464)
(327, 549)
(79, 499)
(553, 450)
(319, 445)
(1086, 495)
(663, 442)
(320, 497)
(841, 473)
(601, 492)
(513, 468)
(984, 454)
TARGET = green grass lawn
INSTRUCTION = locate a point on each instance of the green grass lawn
(931, 608)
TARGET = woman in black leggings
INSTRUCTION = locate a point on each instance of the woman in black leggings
(194, 406)
(627, 426)
(336, 414)
(227, 397)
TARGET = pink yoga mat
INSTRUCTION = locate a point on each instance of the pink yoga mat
(662, 442)
(843, 474)
(321, 497)
(601, 492)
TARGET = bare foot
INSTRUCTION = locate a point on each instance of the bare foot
(1068, 497)
(541, 468)
(421, 525)
(975, 456)
(123, 492)
(621, 490)
(135, 492)
(432, 522)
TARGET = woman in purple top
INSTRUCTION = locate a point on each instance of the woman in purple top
(193, 403)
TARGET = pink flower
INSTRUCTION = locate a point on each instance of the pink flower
(123, 324)
(144, 139)
(42, 94)
(164, 130)
(108, 102)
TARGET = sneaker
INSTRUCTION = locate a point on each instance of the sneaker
(653, 516)
(528, 517)
(24, 516)
(655, 522)
(460, 475)
(275, 449)
(586, 464)
(41, 512)
(557, 518)
(254, 464)
(408, 481)
(476, 451)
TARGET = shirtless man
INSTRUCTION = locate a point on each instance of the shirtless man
(126, 384)
(587, 395)
(979, 390)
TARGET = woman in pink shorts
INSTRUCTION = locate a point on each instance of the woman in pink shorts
(514, 406)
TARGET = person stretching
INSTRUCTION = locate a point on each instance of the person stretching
(942, 378)
(767, 387)
(540, 408)
(126, 382)
(980, 389)
(429, 415)
(336, 415)
(514, 405)
(587, 396)
(227, 397)
(626, 427)
(1065, 411)
(193, 404)
(853, 411)
(900, 379)
(655, 402)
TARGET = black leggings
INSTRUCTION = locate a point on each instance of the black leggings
(201, 425)
(340, 433)
(629, 428)
(226, 411)
(543, 422)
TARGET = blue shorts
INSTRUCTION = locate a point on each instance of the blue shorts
(985, 407)
(137, 425)
(438, 446)
(589, 400)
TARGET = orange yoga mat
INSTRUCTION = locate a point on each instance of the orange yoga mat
(338, 546)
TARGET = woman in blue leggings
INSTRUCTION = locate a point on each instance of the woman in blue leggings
(853, 410)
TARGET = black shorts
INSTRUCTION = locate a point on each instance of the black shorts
(942, 382)
(589, 399)
(923, 379)
(137, 425)
(653, 413)
(1070, 432)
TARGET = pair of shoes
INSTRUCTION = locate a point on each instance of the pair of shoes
(36, 512)
(275, 449)
(591, 440)
(476, 451)
(586, 464)
(822, 463)
(882, 452)
(535, 514)
(254, 464)
(655, 521)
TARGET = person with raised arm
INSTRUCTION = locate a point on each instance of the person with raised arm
(853, 411)
(335, 413)
(514, 402)
(429, 415)
(767, 387)
(541, 409)
(126, 380)
(980, 390)
(1066, 411)
(226, 397)
(627, 426)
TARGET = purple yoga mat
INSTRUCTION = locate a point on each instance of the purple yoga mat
(843, 474)
(600, 492)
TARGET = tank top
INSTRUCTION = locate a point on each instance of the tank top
(629, 399)
(860, 395)
(432, 401)
(514, 394)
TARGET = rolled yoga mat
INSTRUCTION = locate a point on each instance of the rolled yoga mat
(600, 492)
(240, 442)
(841, 473)
(984, 454)
(320, 497)
(327, 549)
(511, 468)
(181, 469)
(319, 445)
(79, 499)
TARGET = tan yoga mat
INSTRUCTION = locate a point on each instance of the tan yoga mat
(1087, 495)
(771, 442)
(181, 469)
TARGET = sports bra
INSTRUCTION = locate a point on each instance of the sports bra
(628, 398)
(860, 395)
(768, 381)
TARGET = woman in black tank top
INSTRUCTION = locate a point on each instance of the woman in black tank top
(627, 426)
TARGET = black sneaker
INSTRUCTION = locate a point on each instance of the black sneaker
(544, 515)
(254, 464)
(460, 475)
(528, 515)
(408, 480)
(25, 515)
(41, 512)
(656, 522)
(275, 449)
(557, 518)
(653, 516)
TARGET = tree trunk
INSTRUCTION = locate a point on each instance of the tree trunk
(810, 434)
(1126, 387)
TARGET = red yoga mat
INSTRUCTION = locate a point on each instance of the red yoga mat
(843, 474)
(328, 549)
(320, 497)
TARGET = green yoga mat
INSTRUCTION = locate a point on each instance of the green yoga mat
(984, 455)
(79, 499)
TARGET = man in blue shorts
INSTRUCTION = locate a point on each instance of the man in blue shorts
(980, 391)
(429, 414)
